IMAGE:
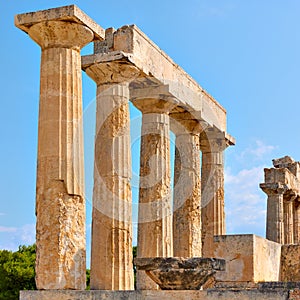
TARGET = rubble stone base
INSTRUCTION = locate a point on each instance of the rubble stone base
(211, 294)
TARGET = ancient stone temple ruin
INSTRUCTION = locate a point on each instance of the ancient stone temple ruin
(183, 249)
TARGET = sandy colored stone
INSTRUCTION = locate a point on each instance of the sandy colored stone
(60, 204)
(249, 258)
(212, 145)
(129, 44)
(111, 259)
(154, 217)
(296, 222)
(187, 189)
(282, 186)
(68, 14)
(290, 263)
(178, 273)
(282, 162)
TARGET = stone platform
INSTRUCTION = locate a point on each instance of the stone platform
(266, 293)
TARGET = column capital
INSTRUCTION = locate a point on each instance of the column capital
(186, 123)
(58, 34)
(153, 99)
(274, 188)
(215, 141)
(66, 14)
(108, 73)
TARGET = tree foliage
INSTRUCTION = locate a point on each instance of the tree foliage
(16, 272)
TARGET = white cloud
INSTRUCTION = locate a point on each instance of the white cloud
(245, 203)
(256, 152)
(7, 229)
(13, 237)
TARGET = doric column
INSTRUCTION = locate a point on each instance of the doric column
(154, 214)
(275, 212)
(297, 221)
(212, 145)
(288, 208)
(187, 188)
(111, 257)
(60, 203)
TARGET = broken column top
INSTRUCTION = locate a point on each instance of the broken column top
(70, 13)
(282, 162)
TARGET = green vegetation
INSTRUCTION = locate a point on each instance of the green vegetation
(16, 272)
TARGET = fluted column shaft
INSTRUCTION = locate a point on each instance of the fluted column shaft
(60, 204)
(275, 216)
(288, 222)
(111, 259)
(297, 221)
(154, 213)
(212, 177)
(187, 190)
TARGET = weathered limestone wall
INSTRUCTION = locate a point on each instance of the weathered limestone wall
(249, 258)
(290, 263)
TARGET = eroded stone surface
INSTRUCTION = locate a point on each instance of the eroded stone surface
(111, 259)
(213, 294)
(212, 145)
(60, 205)
(178, 273)
(187, 189)
(68, 14)
(249, 258)
(290, 263)
(155, 218)
(282, 185)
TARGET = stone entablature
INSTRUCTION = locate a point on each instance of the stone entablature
(282, 185)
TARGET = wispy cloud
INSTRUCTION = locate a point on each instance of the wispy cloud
(245, 203)
(13, 237)
(257, 151)
(8, 229)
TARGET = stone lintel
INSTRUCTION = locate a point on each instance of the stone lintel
(283, 176)
(139, 85)
(131, 40)
(70, 13)
(282, 162)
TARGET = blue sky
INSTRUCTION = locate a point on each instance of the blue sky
(246, 54)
